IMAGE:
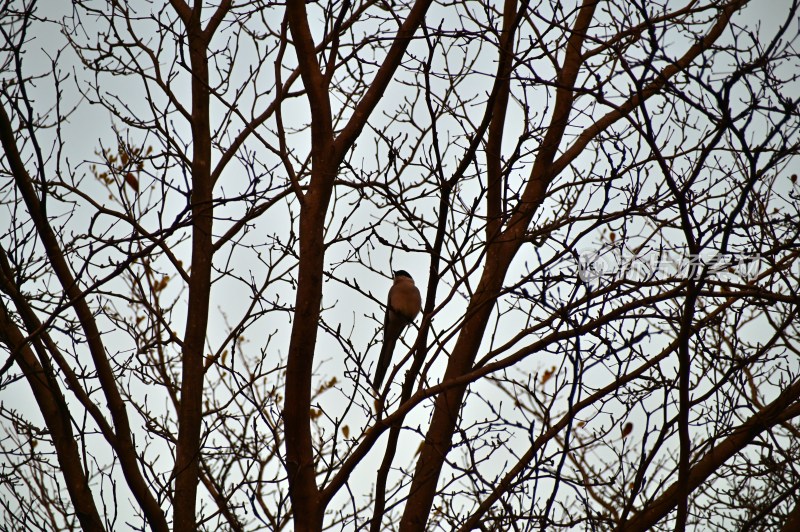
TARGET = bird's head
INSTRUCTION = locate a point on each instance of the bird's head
(402, 273)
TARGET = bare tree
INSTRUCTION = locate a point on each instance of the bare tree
(202, 206)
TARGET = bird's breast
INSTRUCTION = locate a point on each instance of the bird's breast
(406, 300)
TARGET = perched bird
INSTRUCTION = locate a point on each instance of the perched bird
(401, 309)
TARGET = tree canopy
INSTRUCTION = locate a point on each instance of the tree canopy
(202, 204)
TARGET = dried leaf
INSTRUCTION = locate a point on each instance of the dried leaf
(548, 374)
(627, 429)
(132, 182)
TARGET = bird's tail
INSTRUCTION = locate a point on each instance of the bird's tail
(383, 362)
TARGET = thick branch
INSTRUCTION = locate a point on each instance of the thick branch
(494, 143)
(781, 409)
(383, 77)
(439, 438)
(126, 451)
(55, 413)
(190, 415)
(303, 490)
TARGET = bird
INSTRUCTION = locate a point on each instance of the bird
(403, 305)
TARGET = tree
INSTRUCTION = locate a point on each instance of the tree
(202, 205)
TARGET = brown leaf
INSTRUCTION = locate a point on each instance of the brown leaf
(132, 182)
(548, 374)
(627, 429)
